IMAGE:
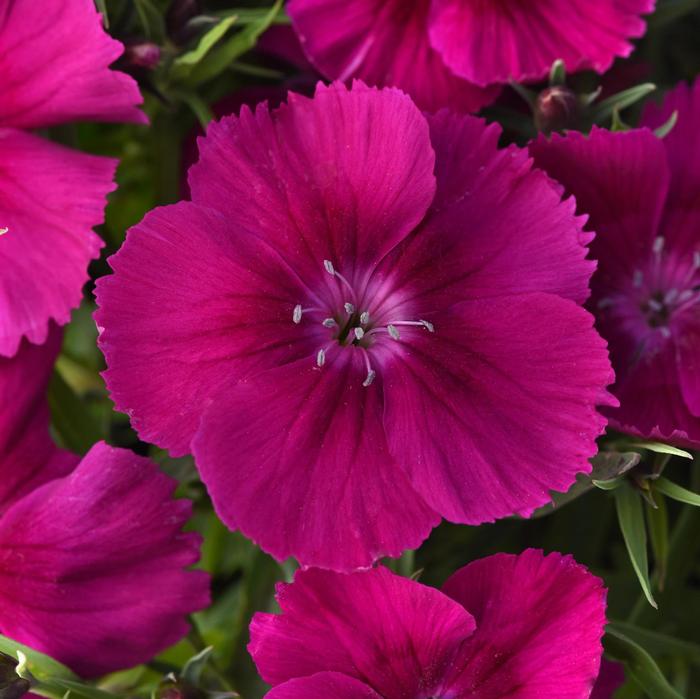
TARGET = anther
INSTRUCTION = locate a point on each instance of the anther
(655, 305)
(359, 333)
(349, 308)
(328, 323)
(658, 245)
(4, 230)
(371, 374)
(329, 267)
(364, 318)
(671, 296)
(637, 278)
(427, 325)
(296, 316)
(393, 332)
(321, 357)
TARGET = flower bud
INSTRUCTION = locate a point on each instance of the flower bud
(556, 108)
(143, 54)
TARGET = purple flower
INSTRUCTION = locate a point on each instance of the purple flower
(522, 627)
(365, 319)
(456, 52)
(92, 556)
(641, 194)
(54, 58)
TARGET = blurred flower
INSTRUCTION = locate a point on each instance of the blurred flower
(641, 194)
(364, 320)
(54, 58)
(456, 52)
(92, 556)
(504, 626)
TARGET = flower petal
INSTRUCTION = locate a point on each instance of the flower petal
(620, 180)
(682, 215)
(610, 678)
(323, 685)
(497, 228)
(494, 42)
(54, 62)
(384, 43)
(687, 340)
(195, 303)
(497, 406)
(92, 565)
(296, 459)
(28, 456)
(539, 620)
(343, 176)
(50, 199)
(392, 633)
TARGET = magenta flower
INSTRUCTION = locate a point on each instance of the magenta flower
(641, 194)
(363, 321)
(455, 53)
(54, 58)
(92, 556)
(521, 627)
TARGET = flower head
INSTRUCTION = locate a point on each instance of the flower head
(518, 626)
(54, 67)
(641, 194)
(456, 52)
(92, 556)
(363, 321)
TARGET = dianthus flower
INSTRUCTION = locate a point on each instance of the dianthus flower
(511, 626)
(54, 58)
(364, 320)
(642, 196)
(92, 556)
(452, 52)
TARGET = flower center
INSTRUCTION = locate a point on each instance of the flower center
(355, 321)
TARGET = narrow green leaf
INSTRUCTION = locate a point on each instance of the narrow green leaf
(657, 522)
(639, 664)
(676, 492)
(666, 128)
(661, 448)
(631, 517)
(620, 101)
(40, 666)
(198, 106)
(192, 672)
(73, 422)
(102, 9)
(610, 484)
(79, 689)
(660, 644)
(227, 52)
(206, 43)
(151, 19)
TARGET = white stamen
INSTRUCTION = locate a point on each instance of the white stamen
(349, 308)
(364, 318)
(329, 267)
(605, 302)
(658, 245)
(4, 230)
(655, 305)
(296, 316)
(359, 333)
(665, 331)
(428, 326)
(686, 296)
(638, 278)
(671, 296)
(371, 374)
(321, 357)
(393, 332)
(328, 323)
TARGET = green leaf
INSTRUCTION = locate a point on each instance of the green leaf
(102, 9)
(79, 689)
(661, 448)
(659, 643)
(620, 101)
(676, 492)
(631, 517)
(666, 128)
(224, 55)
(639, 664)
(657, 522)
(72, 421)
(184, 63)
(40, 666)
(151, 19)
(610, 484)
(192, 671)
(611, 464)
